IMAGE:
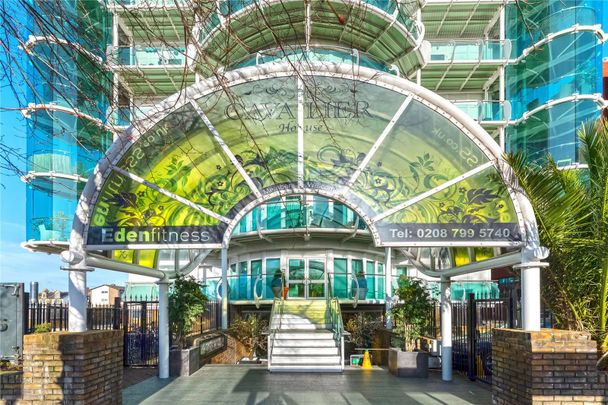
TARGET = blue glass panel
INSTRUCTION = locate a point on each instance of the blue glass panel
(340, 278)
(273, 274)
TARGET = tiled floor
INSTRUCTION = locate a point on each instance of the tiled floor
(254, 385)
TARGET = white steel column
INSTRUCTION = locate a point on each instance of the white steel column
(530, 295)
(224, 264)
(446, 330)
(163, 329)
(501, 79)
(77, 294)
(388, 287)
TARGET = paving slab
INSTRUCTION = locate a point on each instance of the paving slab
(227, 384)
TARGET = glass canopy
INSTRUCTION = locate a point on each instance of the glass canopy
(412, 171)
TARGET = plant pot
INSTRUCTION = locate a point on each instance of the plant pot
(184, 362)
(276, 292)
(408, 364)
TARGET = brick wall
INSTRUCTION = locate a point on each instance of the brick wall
(75, 368)
(548, 367)
(10, 386)
(234, 352)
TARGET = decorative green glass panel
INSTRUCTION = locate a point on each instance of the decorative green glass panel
(423, 150)
(258, 122)
(130, 213)
(477, 208)
(342, 120)
(180, 155)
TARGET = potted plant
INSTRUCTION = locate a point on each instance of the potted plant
(277, 283)
(186, 302)
(411, 315)
(249, 332)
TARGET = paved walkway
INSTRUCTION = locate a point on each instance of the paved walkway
(254, 385)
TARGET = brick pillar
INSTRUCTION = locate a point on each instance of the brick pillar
(546, 367)
(76, 368)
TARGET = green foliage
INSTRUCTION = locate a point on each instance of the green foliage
(362, 328)
(412, 311)
(571, 208)
(43, 328)
(186, 303)
(249, 331)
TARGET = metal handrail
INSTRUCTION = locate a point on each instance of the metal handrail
(276, 317)
(335, 319)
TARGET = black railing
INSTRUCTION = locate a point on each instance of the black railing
(472, 324)
(137, 317)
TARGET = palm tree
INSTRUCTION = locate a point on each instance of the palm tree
(571, 207)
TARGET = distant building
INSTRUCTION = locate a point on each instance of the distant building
(53, 297)
(104, 294)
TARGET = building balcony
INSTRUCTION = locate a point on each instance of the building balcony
(464, 65)
(317, 54)
(384, 29)
(486, 112)
(152, 70)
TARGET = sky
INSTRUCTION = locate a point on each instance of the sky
(16, 263)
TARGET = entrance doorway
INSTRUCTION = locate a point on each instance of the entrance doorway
(306, 278)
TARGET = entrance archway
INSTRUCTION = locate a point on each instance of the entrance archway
(416, 169)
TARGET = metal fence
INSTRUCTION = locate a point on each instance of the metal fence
(137, 317)
(472, 324)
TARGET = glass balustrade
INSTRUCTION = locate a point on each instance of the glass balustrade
(125, 116)
(246, 280)
(466, 51)
(230, 7)
(153, 3)
(485, 110)
(314, 212)
(150, 56)
(332, 55)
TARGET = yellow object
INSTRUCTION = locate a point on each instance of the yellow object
(367, 363)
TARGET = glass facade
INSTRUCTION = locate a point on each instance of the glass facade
(553, 62)
(63, 147)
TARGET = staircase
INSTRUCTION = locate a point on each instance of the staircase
(303, 339)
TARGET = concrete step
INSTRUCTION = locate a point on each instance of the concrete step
(319, 334)
(307, 360)
(303, 326)
(304, 368)
(305, 351)
(318, 343)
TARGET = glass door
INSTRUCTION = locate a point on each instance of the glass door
(297, 278)
(306, 278)
(316, 278)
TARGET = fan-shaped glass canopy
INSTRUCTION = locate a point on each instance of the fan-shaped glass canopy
(413, 168)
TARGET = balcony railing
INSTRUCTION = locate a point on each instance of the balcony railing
(153, 3)
(333, 54)
(484, 111)
(126, 115)
(470, 51)
(150, 56)
(230, 7)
